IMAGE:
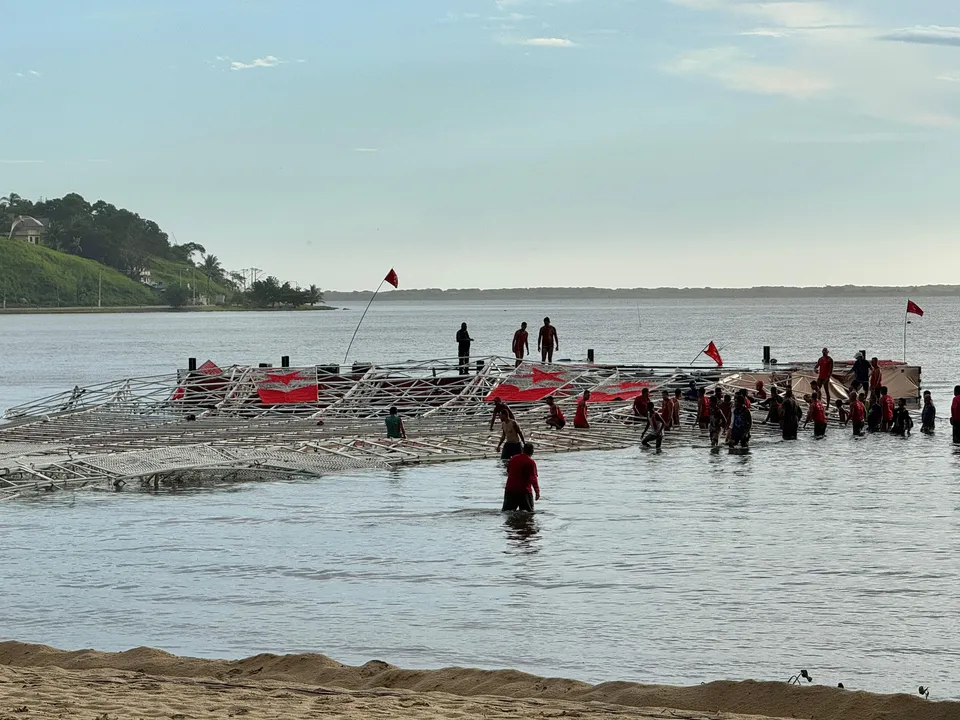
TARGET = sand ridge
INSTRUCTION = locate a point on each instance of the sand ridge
(471, 693)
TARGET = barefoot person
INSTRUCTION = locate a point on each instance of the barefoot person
(858, 413)
(463, 348)
(654, 426)
(547, 341)
(522, 482)
(511, 436)
(580, 419)
(824, 368)
(555, 419)
(498, 407)
(521, 343)
(394, 425)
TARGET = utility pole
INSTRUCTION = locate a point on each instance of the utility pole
(100, 290)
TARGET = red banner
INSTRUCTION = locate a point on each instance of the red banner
(617, 391)
(291, 387)
(531, 384)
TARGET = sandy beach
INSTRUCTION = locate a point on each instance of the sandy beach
(41, 682)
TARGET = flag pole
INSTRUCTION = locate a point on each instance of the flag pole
(698, 355)
(361, 321)
(905, 314)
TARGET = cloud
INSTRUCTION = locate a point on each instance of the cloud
(926, 35)
(366, 150)
(264, 62)
(20, 162)
(797, 14)
(766, 32)
(738, 70)
(550, 42)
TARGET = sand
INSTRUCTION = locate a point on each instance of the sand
(37, 681)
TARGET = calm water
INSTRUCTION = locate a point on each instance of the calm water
(842, 557)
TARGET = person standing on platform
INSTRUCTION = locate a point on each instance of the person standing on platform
(511, 436)
(876, 375)
(547, 341)
(463, 348)
(521, 343)
(861, 374)
(858, 413)
(394, 424)
(818, 415)
(580, 419)
(522, 482)
(928, 417)
(824, 368)
(789, 415)
(955, 414)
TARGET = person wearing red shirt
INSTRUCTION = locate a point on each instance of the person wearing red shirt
(824, 368)
(818, 415)
(555, 419)
(522, 482)
(886, 404)
(677, 394)
(521, 343)
(580, 419)
(666, 410)
(858, 413)
(703, 409)
(955, 414)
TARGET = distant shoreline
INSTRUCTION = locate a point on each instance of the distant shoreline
(593, 293)
(149, 309)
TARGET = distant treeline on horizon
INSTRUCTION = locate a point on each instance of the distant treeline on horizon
(561, 293)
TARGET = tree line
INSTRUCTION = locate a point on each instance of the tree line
(122, 239)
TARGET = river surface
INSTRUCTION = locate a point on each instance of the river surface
(841, 556)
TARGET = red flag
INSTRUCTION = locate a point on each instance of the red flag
(392, 278)
(912, 307)
(288, 387)
(714, 354)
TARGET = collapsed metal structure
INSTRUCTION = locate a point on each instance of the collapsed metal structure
(244, 422)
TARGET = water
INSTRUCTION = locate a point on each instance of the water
(842, 556)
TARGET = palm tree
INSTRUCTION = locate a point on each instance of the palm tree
(314, 295)
(212, 267)
(10, 200)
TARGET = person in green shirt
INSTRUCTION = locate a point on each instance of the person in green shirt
(395, 427)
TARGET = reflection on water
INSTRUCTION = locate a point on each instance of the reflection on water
(522, 531)
(840, 556)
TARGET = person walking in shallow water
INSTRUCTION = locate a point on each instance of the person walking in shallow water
(523, 485)
(928, 417)
(789, 416)
(547, 341)
(818, 415)
(955, 414)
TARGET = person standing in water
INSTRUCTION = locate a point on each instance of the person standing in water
(886, 404)
(928, 417)
(789, 416)
(394, 425)
(902, 422)
(818, 415)
(580, 419)
(463, 348)
(717, 419)
(521, 343)
(666, 410)
(547, 341)
(522, 482)
(858, 413)
(654, 427)
(741, 424)
(874, 412)
(824, 368)
(955, 414)
(498, 407)
(703, 409)
(511, 436)
(677, 396)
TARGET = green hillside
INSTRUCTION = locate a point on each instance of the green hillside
(34, 276)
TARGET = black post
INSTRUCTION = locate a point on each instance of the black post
(285, 361)
(479, 366)
(766, 354)
(191, 364)
(590, 355)
(265, 365)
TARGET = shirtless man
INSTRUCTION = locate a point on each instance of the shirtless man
(520, 343)
(511, 436)
(498, 407)
(547, 341)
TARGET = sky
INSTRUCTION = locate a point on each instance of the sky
(504, 143)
